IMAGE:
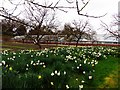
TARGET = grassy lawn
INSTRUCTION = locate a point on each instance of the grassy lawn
(106, 75)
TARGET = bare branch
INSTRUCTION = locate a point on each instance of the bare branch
(109, 29)
(84, 5)
(79, 11)
(51, 7)
(16, 6)
(69, 1)
(16, 20)
(57, 3)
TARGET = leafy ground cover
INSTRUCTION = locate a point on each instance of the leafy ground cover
(65, 68)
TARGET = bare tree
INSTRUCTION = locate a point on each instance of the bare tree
(42, 23)
(36, 18)
(82, 30)
(113, 28)
(78, 30)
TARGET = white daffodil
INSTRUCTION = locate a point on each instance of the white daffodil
(41, 63)
(3, 62)
(74, 57)
(85, 61)
(88, 62)
(6, 66)
(82, 81)
(31, 55)
(83, 72)
(64, 72)
(80, 64)
(76, 79)
(14, 53)
(83, 56)
(90, 77)
(93, 70)
(44, 66)
(52, 74)
(38, 61)
(93, 65)
(77, 67)
(27, 65)
(58, 73)
(26, 68)
(75, 61)
(80, 86)
(67, 87)
(14, 57)
(99, 54)
(31, 62)
(55, 71)
(46, 49)
(96, 62)
(69, 57)
(34, 64)
(92, 62)
(46, 55)
(51, 83)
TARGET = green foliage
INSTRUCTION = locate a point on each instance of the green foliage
(56, 68)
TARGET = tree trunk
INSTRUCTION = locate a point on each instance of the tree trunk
(39, 45)
(77, 42)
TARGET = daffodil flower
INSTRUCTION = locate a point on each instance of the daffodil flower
(10, 69)
(44, 66)
(58, 73)
(51, 83)
(52, 74)
(90, 77)
(83, 72)
(3, 62)
(76, 79)
(80, 86)
(55, 71)
(77, 67)
(64, 72)
(39, 77)
(67, 87)
(82, 81)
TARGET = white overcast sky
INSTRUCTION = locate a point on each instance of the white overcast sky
(95, 7)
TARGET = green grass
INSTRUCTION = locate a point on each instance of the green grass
(105, 69)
